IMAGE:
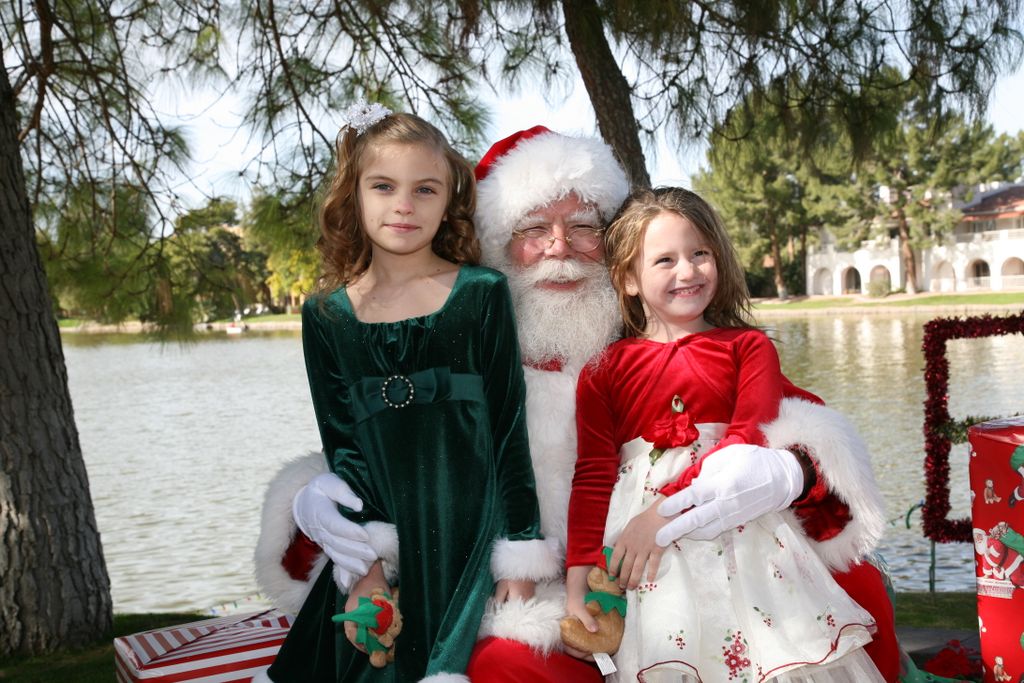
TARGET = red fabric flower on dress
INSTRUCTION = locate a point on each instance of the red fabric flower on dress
(675, 430)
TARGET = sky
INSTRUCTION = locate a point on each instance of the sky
(220, 148)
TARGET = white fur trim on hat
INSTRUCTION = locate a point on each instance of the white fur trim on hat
(843, 459)
(278, 528)
(542, 169)
(533, 559)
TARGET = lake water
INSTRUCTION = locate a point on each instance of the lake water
(180, 442)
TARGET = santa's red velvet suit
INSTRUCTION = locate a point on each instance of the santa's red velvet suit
(520, 642)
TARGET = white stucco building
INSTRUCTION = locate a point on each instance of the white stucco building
(985, 251)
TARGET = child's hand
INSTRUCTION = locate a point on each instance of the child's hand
(576, 590)
(578, 654)
(512, 589)
(373, 579)
(636, 548)
(576, 608)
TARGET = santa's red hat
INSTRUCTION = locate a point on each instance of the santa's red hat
(535, 167)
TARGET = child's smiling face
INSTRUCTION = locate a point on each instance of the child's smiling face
(675, 277)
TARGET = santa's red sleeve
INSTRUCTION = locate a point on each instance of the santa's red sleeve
(843, 513)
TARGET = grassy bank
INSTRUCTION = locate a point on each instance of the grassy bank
(90, 664)
(937, 610)
(997, 303)
(996, 300)
(95, 664)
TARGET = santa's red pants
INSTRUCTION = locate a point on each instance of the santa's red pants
(496, 660)
(863, 582)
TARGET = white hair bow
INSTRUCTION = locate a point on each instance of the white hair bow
(361, 115)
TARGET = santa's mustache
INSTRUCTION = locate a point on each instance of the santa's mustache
(550, 270)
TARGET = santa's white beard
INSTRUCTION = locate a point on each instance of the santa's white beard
(572, 326)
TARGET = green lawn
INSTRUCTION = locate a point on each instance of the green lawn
(937, 610)
(93, 664)
(275, 318)
(268, 318)
(896, 300)
(96, 664)
(795, 304)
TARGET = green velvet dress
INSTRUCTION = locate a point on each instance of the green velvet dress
(424, 418)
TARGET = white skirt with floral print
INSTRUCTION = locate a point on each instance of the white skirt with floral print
(754, 604)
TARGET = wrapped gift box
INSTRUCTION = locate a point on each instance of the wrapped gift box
(220, 650)
(997, 516)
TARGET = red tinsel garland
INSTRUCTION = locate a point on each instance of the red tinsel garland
(936, 417)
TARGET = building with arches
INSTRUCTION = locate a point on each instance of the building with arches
(984, 252)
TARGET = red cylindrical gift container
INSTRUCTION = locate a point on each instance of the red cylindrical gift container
(997, 516)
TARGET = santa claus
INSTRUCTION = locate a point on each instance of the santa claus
(565, 189)
(1002, 554)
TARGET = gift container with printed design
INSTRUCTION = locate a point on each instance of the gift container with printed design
(222, 650)
(997, 517)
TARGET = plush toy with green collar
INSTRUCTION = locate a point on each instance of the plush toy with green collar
(378, 622)
(607, 605)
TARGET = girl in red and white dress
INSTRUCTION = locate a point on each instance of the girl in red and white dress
(693, 376)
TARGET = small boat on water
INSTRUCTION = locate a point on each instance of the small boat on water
(236, 326)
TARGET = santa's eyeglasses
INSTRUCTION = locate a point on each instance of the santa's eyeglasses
(581, 239)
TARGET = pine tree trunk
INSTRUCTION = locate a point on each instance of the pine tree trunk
(55, 590)
(802, 255)
(907, 254)
(780, 280)
(608, 89)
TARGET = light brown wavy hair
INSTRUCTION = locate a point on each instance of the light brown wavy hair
(343, 244)
(623, 243)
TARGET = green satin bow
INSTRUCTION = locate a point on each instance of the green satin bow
(372, 395)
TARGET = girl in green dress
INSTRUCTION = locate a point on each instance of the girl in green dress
(413, 365)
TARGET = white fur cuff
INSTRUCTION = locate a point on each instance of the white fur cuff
(845, 463)
(534, 559)
(533, 622)
(277, 528)
(384, 541)
(446, 678)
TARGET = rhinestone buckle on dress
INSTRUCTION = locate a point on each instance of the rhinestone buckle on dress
(393, 381)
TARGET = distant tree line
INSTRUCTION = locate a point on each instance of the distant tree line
(776, 194)
(215, 263)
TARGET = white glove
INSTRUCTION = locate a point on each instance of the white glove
(736, 485)
(315, 509)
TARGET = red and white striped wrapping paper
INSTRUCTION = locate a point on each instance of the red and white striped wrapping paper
(222, 650)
